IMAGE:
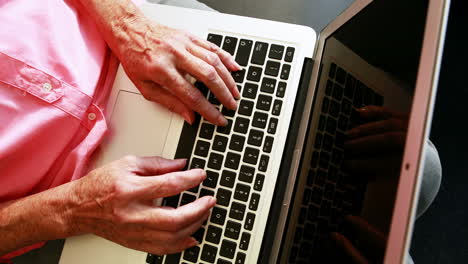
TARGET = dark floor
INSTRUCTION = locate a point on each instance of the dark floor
(441, 234)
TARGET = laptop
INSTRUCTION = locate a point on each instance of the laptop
(293, 185)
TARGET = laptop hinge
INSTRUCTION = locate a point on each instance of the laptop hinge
(285, 167)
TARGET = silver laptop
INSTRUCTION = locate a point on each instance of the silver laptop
(286, 174)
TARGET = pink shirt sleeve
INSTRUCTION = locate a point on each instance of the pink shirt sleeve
(56, 74)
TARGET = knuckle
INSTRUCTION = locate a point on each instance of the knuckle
(194, 98)
(210, 74)
(213, 59)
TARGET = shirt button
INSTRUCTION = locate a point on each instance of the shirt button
(91, 116)
(46, 87)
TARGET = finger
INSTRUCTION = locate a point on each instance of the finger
(154, 92)
(171, 219)
(225, 57)
(192, 97)
(157, 165)
(167, 236)
(214, 60)
(376, 144)
(173, 183)
(209, 75)
(372, 239)
(371, 168)
(378, 127)
(167, 248)
(378, 112)
(346, 245)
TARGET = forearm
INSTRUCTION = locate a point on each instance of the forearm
(39, 217)
(117, 22)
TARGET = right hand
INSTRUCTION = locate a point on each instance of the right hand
(116, 203)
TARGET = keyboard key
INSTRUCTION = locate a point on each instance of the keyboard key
(197, 163)
(187, 198)
(332, 72)
(245, 107)
(349, 86)
(222, 261)
(318, 141)
(232, 160)
(346, 106)
(368, 96)
(206, 192)
(277, 107)
(150, 258)
(244, 242)
(213, 234)
(259, 53)
(172, 201)
(251, 155)
(306, 197)
(237, 211)
(254, 74)
(202, 88)
(338, 91)
(258, 185)
(263, 164)
(310, 178)
(264, 102)
(225, 129)
(220, 143)
(228, 112)
(241, 193)
(202, 148)
(325, 105)
(254, 200)
(255, 137)
(246, 173)
(322, 122)
(218, 215)
(289, 54)
(331, 125)
(215, 161)
(250, 90)
(272, 125)
(268, 85)
(276, 52)
(191, 254)
(211, 179)
(259, 120)
(216, 39)
(237, 142)
(228, 178)
(232, 230)
(302, 215)
(208, 253)
(324, 161)
(340, 75)
(206, 131)
(238, 76)
(314, 160)
(223, 197)
(173, 258)
(268, 144)
(343, 123)
(228, 249)
(212, 99)
(243, 52)
(240, 259)
(334, 108)
(241, 125)
(281, 89)
(285, 70)
(327, 142)
(272, 68)
(230, 44)
(249, 221)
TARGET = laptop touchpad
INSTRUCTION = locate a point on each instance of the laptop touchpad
(137, 127)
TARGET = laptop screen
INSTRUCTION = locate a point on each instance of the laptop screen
(344, 197)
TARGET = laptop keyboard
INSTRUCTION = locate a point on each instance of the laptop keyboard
(236, 157)
(330, 193)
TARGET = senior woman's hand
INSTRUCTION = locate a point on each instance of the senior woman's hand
(157, 59)
(116, 202)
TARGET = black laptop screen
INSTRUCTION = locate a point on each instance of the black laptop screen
(343, 206)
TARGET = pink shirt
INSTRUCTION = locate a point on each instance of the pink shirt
(55, 75)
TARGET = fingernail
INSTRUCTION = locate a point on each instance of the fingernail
(194, 242)
(222, 121)
(233, 104)
(187, 118)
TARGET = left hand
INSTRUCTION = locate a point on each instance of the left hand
(157, 59)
